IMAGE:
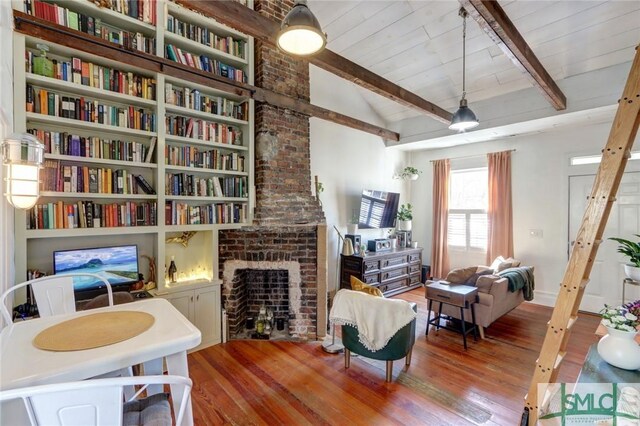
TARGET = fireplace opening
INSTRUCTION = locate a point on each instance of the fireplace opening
(262, 304)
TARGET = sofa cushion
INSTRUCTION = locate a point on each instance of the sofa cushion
(480, 271)
(358, 285)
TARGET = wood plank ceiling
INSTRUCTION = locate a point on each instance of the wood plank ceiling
(417, 44)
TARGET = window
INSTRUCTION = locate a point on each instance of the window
(468, 209)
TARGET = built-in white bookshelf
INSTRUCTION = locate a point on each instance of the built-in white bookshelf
(197, 260)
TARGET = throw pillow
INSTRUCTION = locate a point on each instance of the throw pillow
(504, 265)
(480, 272)
(498, 260)
(514, 262)
(358, 285)
(461, 275)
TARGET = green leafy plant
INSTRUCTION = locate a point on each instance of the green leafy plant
(621, 317)
(404, 212)
(630, 249)
(409, 172)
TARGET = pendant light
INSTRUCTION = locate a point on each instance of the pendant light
(300, 33)
(464, 118)
(22, 156)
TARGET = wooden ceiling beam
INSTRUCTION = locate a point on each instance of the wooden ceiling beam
(264, 29)
(495, 22)
(54, 33)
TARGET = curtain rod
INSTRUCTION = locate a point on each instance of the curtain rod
(472, 156)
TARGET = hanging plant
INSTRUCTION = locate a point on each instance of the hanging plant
(410, 173)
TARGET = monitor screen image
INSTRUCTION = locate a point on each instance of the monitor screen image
(378, 209)
(118, 265)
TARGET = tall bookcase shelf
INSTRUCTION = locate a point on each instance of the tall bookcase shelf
(232, 151)
(69, 123)
(121, 163)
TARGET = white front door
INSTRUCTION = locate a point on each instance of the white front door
(605, 285)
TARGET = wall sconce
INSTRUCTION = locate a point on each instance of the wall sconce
(22, 157)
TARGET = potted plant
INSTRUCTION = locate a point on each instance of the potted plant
(618, 346)
(632, 251)
(404, 217)
(410, 173)
(352, 226)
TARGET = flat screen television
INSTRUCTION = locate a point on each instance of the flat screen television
(378, 209)
(117, 264)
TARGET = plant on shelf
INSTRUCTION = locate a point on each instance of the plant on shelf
(630, 249)
(410, 173)
(405, 215)
(352, 226)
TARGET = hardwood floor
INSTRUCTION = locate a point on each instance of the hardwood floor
(261, 382)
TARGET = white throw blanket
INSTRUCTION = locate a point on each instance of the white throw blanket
(377, 319)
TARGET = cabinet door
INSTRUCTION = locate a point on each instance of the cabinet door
(207, 315)
(183, 301)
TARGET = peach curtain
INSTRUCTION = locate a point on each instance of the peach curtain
(439, 252)
(500, 212)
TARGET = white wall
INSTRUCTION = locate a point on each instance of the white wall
(540, 174)
(348, 161)
(6, 126)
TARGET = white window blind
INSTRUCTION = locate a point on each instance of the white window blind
(467, 228)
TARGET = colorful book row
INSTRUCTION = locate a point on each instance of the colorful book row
(212, 159)
(189, 185)
(63, 143)
(203, 130)
(77, 71)
(194, 99)
(204, 63)
(95, 180)
(90, 25)
(228, 44)
(177, 213)
(142, 10)
(45, 102)
(87, 214)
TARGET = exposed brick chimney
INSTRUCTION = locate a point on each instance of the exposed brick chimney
(288, 219)
(282, 169)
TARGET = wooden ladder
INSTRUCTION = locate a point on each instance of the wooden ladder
(576, 276)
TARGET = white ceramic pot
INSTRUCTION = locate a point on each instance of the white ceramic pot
(404, 225)
(352, 228)
(620, 349)
(414, 177)
(632, 272)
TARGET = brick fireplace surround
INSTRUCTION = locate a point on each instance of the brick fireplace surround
(289, 231)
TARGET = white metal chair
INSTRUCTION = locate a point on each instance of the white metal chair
(97, 402)
(53, 294)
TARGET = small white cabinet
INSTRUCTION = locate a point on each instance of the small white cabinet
(201, 306)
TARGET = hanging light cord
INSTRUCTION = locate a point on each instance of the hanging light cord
(462, 12)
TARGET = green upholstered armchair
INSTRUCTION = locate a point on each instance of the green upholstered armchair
(400, 345)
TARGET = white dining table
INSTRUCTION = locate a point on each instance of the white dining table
(168, 339)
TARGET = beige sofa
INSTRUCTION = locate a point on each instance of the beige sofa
(494, 300)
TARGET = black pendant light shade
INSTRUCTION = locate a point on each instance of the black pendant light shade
(300, 33)
(464, 118)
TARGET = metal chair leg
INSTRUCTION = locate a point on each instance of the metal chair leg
(347, 358)
(389, 371)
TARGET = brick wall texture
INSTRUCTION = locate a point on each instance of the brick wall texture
(286, 213)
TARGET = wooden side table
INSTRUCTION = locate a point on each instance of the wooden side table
(625, 282)
(462, 296)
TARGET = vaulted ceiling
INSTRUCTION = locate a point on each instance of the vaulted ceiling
(418, 45)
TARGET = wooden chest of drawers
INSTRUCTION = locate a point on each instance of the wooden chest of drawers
(392, 272)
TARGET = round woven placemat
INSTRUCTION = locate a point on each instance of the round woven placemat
(93, 331)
